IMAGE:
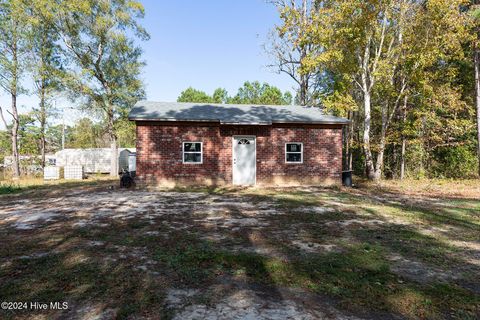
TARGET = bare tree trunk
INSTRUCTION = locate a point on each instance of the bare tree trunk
(113, 142)
(477, 99)
(379, 165)
(114, 153)
(353, 130)
(404, 140)
(303, 53)
(42, 88)
(303, 90)
(402, 159)
(13, 92)
(14, 135)
(11, 86)
(370, 168)
(366, 88)
(350, 160)
(350, 137)
(43, 120)
(347, 145)
(381, 149)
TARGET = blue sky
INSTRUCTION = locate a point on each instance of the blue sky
(207, 44)
(203, 44)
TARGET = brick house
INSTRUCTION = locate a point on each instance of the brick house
(195, 143)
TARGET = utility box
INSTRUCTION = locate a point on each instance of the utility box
(51, 173)
(73, 172)
(347, 178)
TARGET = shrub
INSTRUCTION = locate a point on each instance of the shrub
(455, 162)
(9, 188)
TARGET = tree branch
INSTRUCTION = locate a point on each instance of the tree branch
(397, 102)
(3, 119)
(378, 52)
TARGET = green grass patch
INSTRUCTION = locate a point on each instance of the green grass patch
(9, 188)
(360, 277)
(39, 185)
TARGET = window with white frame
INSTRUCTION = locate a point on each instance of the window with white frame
(294, 152)
(192, 152)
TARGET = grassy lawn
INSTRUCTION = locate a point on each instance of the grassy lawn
(371, 252)
(27, 185)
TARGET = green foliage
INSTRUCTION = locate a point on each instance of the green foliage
(416, 159)
(126, 133)
(193, 95)
(5, 144)
(100, 38)
(46, 58)
(29, 135)
(13, 45)
(45, 64)
(109, 77)
(340, 103)
(455, 162)
(54, 137)
(250, 93)
(398, 69)
(86, 48)
(9, 188)
(220, 95)
(85, 134)
(257, 93)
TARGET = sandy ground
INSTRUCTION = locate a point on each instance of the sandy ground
(223, 220)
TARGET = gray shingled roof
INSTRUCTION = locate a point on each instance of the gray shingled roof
(229, 113)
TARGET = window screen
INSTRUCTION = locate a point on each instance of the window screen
(293, 152)
(192, 152)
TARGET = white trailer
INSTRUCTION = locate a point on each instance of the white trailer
(93, 160)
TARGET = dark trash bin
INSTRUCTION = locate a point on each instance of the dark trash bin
(126, 180)
(347, 178)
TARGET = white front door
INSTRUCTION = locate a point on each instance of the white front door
(244, 160)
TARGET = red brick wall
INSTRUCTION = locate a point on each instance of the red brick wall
(159, 153)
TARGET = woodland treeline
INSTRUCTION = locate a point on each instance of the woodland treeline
(250, 93)
(86, 50)
(83, 133)
(405, 72)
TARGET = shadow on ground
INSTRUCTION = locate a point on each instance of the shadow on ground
(269, 253)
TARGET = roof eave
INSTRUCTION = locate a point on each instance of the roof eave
(313, 122)
(346, 122)
(246, 123)
(170, 120)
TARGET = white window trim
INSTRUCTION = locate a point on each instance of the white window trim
(301, 153)
(183, 152)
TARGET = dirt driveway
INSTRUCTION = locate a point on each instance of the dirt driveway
(304, 253)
